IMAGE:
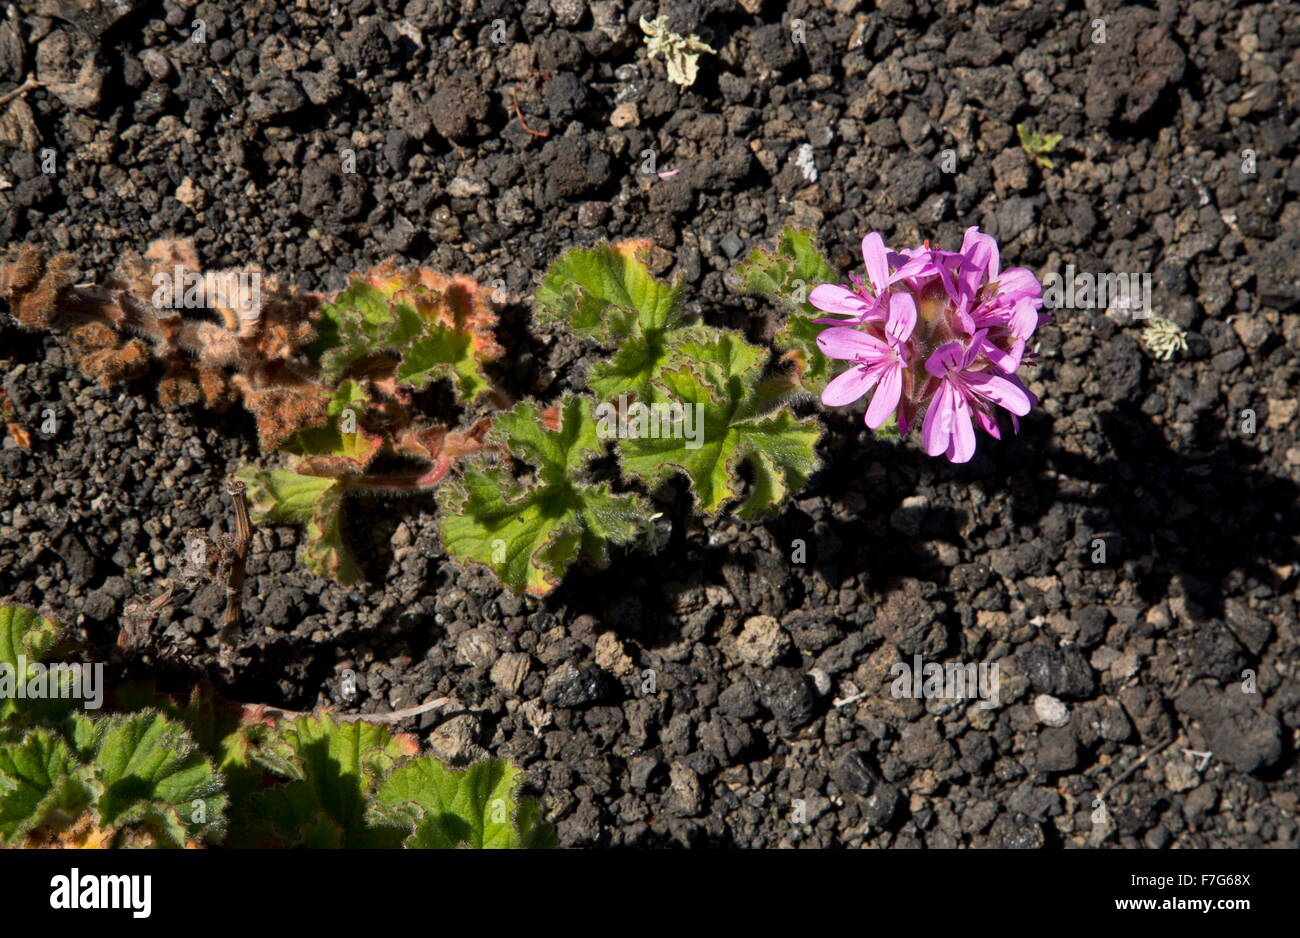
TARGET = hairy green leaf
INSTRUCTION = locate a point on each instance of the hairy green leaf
(148, 771)
(790, 274)
(342, 434)
(438, 326)
(474, 807)
(333, 769)
(360, 322)
(442, 352)
(25, 632)
(528, 534)
(720, 372)
(313, 494)
(222, 729)
(39, 779)
(281, 496)
(28, 687)
(608, 293)
(136, 778)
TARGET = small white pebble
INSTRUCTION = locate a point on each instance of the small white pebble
(1051, 711)
(821, 681)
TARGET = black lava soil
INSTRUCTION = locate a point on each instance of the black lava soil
(639, 714)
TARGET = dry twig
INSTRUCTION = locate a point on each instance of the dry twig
(134, 633)
(30, 84)
(395, 716)
(238, 555)
(1141, 761)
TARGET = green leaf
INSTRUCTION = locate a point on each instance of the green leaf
(438, 326)
(219, 728)
(442, 352)
(474, 807)
(790, 274)
(314, 493)
(326, 553)
(721, 372)
(334, 439)
(26, 639)
(39, 778)
(281, 496)
(630, 370)
(136, 775)
(529, 534)
(798, 337)
(607, 293)
(25, 632)
(333, 769)
(361, 322)
(149, 772)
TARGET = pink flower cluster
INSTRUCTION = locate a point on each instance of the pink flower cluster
(933, 332)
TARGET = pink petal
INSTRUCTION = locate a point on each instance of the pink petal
(946, 279)
(1024, 320)
(936, 429)
(988, 423)
(877, 261)
(981, 249)
(962, 445)
(848, 387)
(1019, 280)
(834, 299)
(977, 342)
(902, 316)
(885, 401)
(1005, 391)
(962, 317)
(944, 359)
(849, 344)
(1008, 360)
(969, 279)
(919, 266)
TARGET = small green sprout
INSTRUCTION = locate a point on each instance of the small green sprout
(1038, 145)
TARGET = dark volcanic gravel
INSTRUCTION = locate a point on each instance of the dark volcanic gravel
(645, 702)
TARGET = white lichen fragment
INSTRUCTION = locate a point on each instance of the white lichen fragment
(1162, 338)
(682, 53)
(803, 160)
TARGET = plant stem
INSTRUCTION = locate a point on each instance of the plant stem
(235, 572)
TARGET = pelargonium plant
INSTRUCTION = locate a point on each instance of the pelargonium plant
(522, 487)
(932, 335)
(156, 772)
(331, 380)
(334, 382)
